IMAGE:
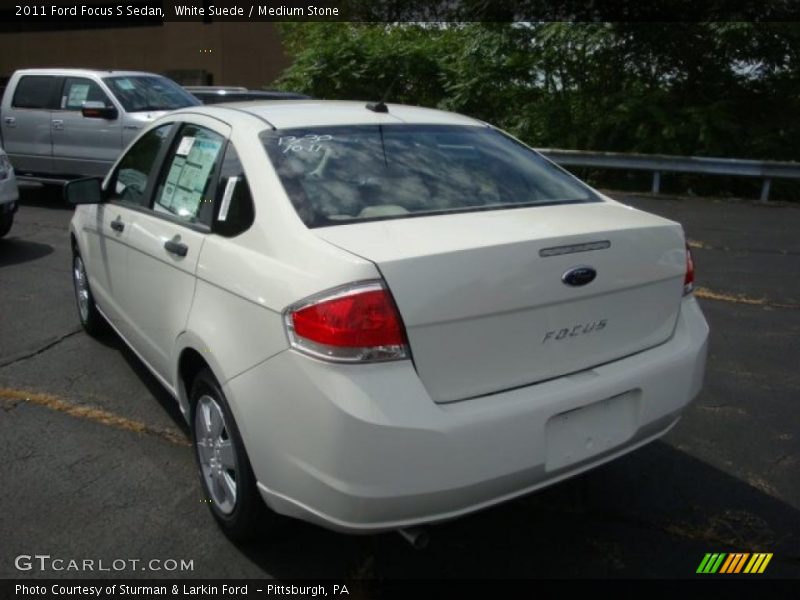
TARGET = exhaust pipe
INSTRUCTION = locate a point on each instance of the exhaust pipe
(416, 536)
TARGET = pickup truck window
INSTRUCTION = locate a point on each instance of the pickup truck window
(37, 91)
(140, 93)
(78, 90)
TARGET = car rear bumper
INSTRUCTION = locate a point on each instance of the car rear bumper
(363, 448)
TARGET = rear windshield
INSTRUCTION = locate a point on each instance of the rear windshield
(139, 93)
(340, 175)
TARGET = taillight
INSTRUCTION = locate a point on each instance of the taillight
(688, 280)
(356, 323)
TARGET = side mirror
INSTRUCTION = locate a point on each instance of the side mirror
(84, 191)
(94, 109)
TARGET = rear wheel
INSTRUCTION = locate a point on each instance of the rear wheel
(91, 319)
(6, 221)
(225, 472)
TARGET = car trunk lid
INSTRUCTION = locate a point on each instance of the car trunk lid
(483, 299)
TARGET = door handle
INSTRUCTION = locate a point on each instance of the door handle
(117, 225)
(174, 247)
(58, 124)
(10, 121)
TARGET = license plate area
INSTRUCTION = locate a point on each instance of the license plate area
(579, 434)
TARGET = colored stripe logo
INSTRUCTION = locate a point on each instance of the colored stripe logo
(734, 563)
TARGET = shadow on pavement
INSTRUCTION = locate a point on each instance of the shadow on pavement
(43, 196)
(14, 251)
(170, 406)
(652, 514)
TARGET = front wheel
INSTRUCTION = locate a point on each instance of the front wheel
(91, 319)
(226, 476)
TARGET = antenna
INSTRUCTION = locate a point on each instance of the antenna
(380, 107)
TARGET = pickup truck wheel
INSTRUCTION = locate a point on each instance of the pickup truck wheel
(227, 479)
(91, 319)
(6, 221)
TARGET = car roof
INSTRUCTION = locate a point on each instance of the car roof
(215, 88)
(222, 90)
(267, 93)
(289, 114)
(244, 94)
(72, 71)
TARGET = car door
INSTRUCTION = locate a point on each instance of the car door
(27, 123)
(165, 241)
(84, 145)
(127, 190)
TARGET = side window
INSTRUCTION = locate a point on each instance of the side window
(78, 90)
(129, 182)
(36, 91)
(185, 187)
(235, 212)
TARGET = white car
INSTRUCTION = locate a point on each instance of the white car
(9, 194)
(376, 317)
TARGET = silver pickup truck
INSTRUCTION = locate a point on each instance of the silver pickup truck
(58, 124)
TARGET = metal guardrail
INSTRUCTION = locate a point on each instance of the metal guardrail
(659, 163)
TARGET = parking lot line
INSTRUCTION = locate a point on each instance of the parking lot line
(97, 415)
(708, 294)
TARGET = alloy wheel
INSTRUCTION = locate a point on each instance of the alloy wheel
(81, 288)
(216, 454)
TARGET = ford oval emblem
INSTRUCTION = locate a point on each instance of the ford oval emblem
(578, 276)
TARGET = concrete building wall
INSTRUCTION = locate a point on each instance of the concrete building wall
(248, 54)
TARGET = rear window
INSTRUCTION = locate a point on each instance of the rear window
(342, 175)
(37, 91)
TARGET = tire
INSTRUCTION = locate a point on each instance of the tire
(6, 221)
(226, 477)
(92, 321)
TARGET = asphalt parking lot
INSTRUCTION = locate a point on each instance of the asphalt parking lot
(96, 462)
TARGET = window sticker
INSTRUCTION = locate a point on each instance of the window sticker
(78, 93)
(230, 186)
(185, 146)
(172, 182)
(187, 177)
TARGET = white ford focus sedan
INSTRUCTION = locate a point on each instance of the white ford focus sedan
(379, 317)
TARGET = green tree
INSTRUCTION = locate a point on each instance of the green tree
(723, 89)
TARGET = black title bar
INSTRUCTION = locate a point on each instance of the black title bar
(92, 13)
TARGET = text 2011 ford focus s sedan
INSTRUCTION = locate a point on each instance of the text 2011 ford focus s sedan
(375, 318)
